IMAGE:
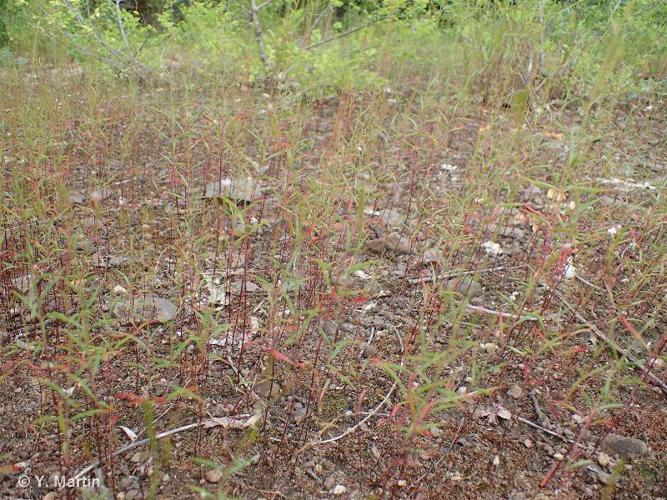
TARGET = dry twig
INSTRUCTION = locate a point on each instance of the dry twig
(227, 422)
(370, 414)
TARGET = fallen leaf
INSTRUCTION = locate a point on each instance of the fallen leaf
(128, 432)
(556, 195)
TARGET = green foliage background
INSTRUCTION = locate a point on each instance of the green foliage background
(309, 47)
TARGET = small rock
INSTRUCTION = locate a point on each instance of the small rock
(515, 391)
(624, 446)
(267, 387)
(214, 476)
(506, 231)
(99, 195)
(496, 460)
(136, 458)
(610, 201)
(558, 456)
(21, 283)
(51, 495)
(298, 412)
(119, 290)
(603, 476)
(432, 256)
(361, 275)
(240, 190)
(531, 192)
(105, 261)
(369, 351)
(492, 248)
(402, 483)
(393, 242)
(84, 245)
(132, 495)
(391, 217)
(466, 287)
(527, 443)
(250, 287)
(339, 489)
(489, 347)
(603, 459)
(77, 198)
(147, 307)
(330, 482)
(503, 413)
(656, 363)
(125, 483)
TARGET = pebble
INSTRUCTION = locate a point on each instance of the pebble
(339, 489)
(214, 475)
(531, 192)
(241, 190)
(467, 287)
(393, 242)
(603, 477)
(489, 347)
(369, 351)
(146, 307)
(125, 483)
(603, 459)
(515, 391)
(506, 231)
(84, 245)
(77, 198)
(527, 443)
(391, 217)
(432, 256)
(624, 446)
